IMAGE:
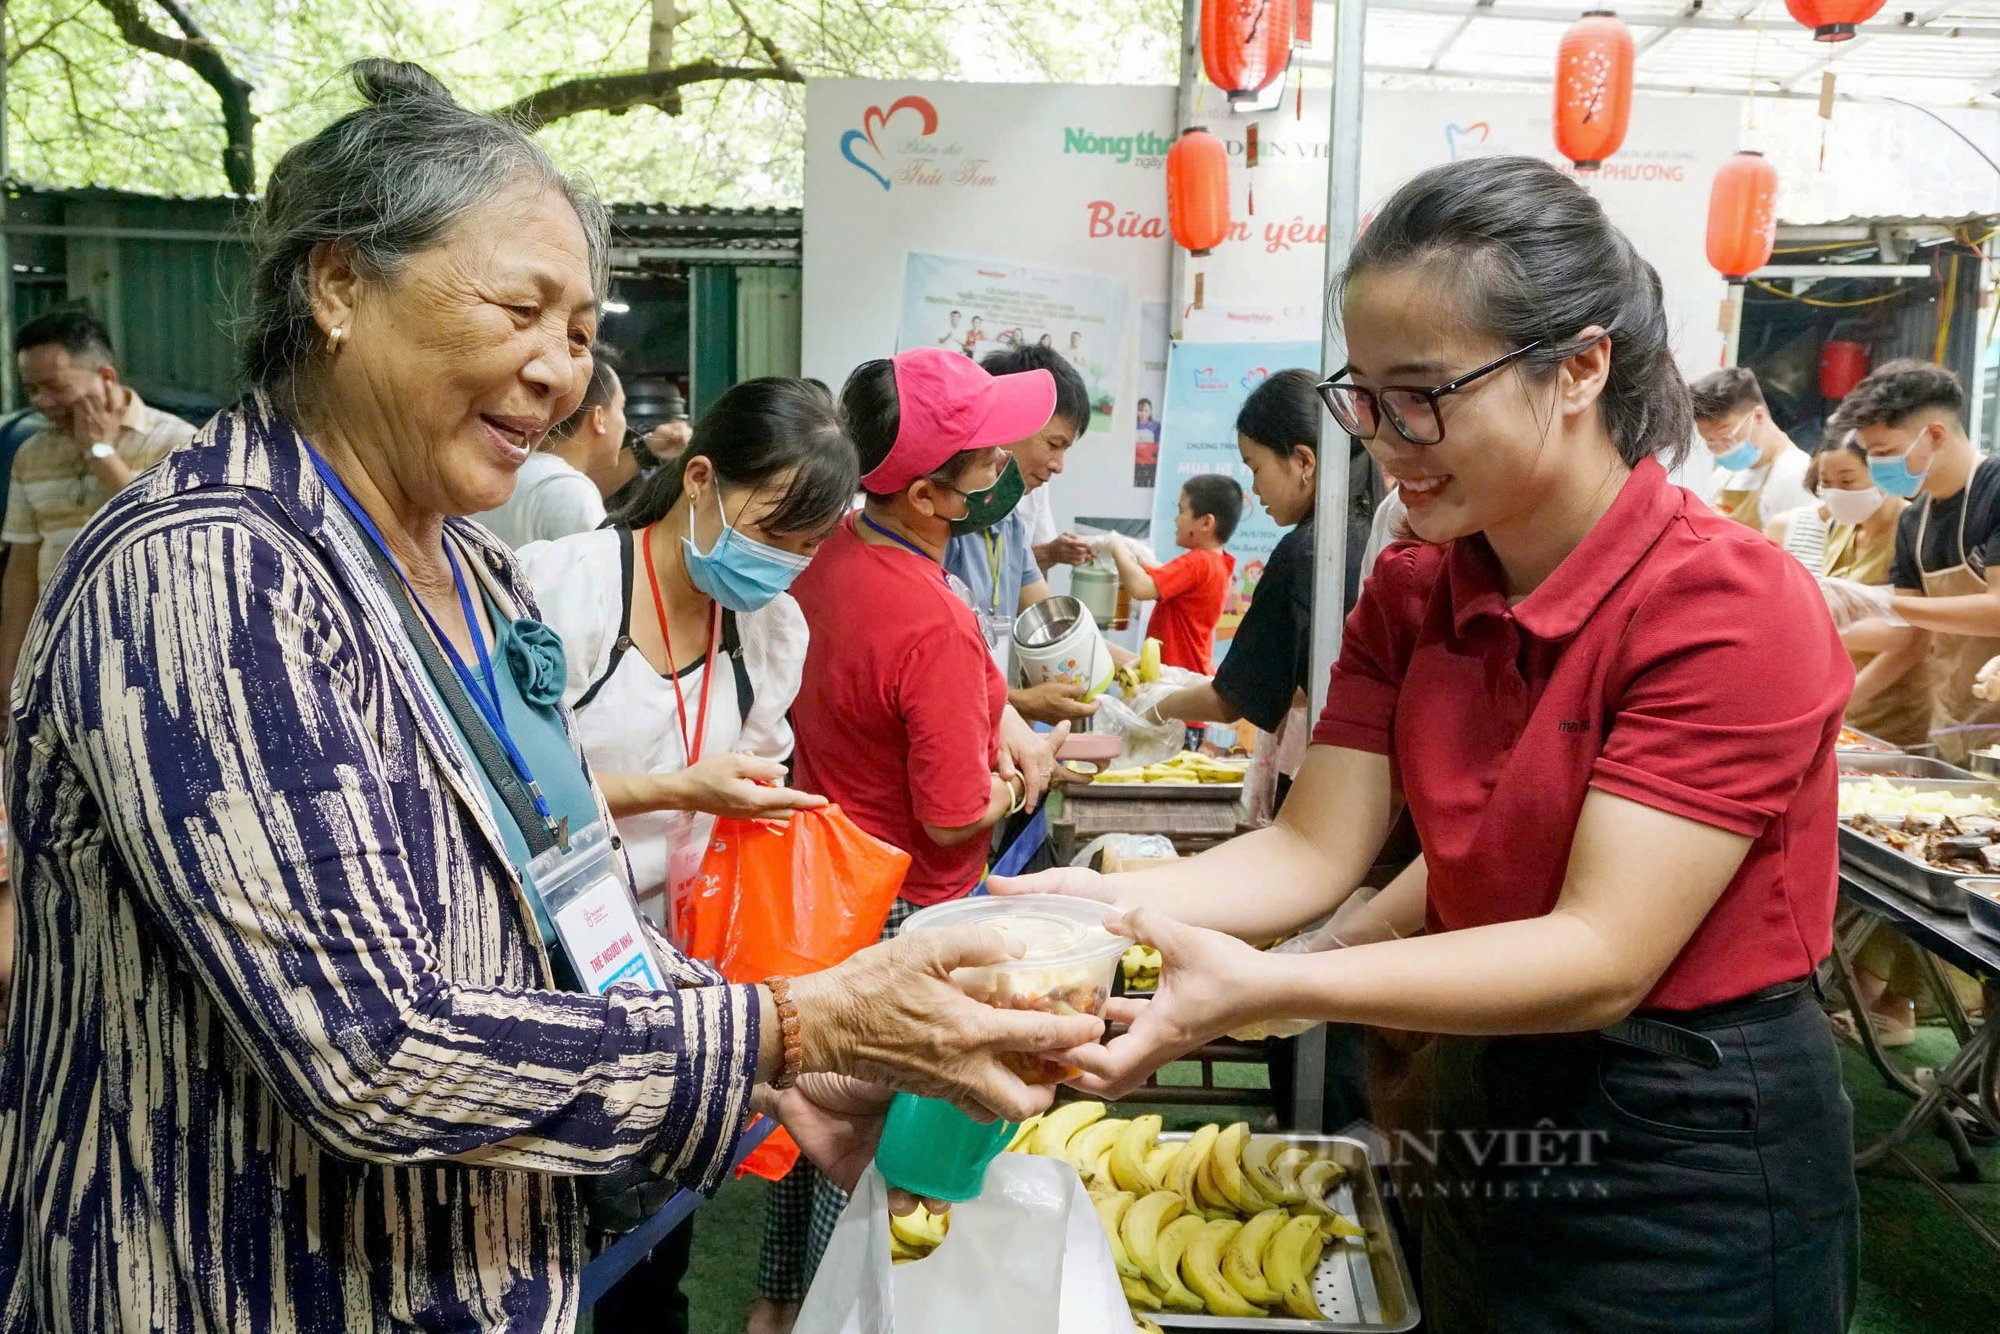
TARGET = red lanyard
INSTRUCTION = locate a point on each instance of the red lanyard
(693, 751)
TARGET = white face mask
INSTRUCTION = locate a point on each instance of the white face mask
(1853, 506)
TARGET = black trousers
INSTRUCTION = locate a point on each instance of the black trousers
(1581, 1184)
(648, 1300)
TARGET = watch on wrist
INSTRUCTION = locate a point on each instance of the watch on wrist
(102, 450)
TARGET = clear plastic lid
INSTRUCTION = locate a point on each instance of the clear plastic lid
(1053, 930)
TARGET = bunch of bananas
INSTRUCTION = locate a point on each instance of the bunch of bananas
(1141, 966)
(1187, 767)
(1143, 672)
(914, 1236)
(1225, 1222)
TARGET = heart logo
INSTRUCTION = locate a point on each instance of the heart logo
(1455, 135)
(1255, 376)
(875, 118)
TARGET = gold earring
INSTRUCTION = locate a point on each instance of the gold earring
(334, 336)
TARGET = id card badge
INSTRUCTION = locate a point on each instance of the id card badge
(999, 627)
(594, 914)
(687, 846)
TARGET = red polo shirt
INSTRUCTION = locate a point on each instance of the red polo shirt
(1674, 658)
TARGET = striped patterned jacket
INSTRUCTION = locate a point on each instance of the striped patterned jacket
(284, 1052)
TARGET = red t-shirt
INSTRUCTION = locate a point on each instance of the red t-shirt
(898, 715)
(1192, 587)
(1675, 659)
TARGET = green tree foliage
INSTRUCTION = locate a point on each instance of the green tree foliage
(87, 106)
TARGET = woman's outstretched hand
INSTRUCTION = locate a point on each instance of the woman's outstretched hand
(1210, 984)
(892, 1015)
(744, 786)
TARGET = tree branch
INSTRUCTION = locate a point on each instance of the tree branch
(638, 88)
(198, 53)
(779, 61)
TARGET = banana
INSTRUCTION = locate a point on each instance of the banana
(1128, 1155)
(1243, 1262)
(1201, 1270)
(1140, 1228)
(1111, 1212)
(1287, 1165)
(1193, 1154)
(1288, 1266)
(1175, 1238)
(922, 1230)
(1019, 1144)
(1227, 1168)
(901, 1252)
(1138, 1294)
(1058, 1126)
(1212, 1202)
(1085, 1146)
(1258, 1153)
(1315, 1180)
(1343, 1227)
(1160, 1161)
(1100, 1173)
(1141, 1325)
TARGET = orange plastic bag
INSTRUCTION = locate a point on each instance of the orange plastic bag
(784, 899)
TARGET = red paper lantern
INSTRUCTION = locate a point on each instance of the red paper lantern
(1593, 89)
(1842, 365)
(1246, 44)
(1742, 216)
(1302, 26)
(1833, 20)
(1198, 191)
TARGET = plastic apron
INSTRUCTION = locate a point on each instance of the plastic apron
(1956, 659)
(1900, 715)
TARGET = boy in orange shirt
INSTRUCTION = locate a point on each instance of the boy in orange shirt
(1188, 591)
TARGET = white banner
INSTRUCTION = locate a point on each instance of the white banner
(1070, 180)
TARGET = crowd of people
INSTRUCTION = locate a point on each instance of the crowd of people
(362, 742)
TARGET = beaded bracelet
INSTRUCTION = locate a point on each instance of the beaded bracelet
(788, 1021)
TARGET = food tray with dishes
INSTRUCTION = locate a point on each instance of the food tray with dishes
(1869, 764)
(1982, 904)
(1922, 836)
(1853, 740)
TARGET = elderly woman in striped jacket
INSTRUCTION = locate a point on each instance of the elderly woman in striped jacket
(328, 993)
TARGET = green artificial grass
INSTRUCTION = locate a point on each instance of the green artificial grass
(1922, 1271)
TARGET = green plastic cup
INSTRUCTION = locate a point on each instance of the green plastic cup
(930, 1148)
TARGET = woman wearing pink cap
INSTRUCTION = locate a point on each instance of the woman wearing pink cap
(899, 715)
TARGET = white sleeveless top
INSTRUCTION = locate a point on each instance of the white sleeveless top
(632, 726)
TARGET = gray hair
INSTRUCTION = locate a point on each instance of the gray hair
(386, 180)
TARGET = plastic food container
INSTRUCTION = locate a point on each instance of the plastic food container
(1069, 960)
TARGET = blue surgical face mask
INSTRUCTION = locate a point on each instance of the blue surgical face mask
(1893, 474)
(740, 572)
(1744, 455)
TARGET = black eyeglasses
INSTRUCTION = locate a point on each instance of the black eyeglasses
(1412, 410)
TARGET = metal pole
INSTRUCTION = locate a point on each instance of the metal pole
(1732, 323)
(1183, 114)
(1343, 215)
(6, 251)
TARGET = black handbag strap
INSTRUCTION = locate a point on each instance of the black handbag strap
(471, 722)
(732, 648)
(624, 640)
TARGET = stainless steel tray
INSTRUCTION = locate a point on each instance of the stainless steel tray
(1927, 884)
(1982, 901)
(1904, 766)
(1361, 1285)
(1156, 792)
(1871, 745)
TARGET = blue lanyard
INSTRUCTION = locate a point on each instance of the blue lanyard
(906, 544)
(486, 697)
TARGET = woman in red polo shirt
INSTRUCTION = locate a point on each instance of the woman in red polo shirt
(1612, 713)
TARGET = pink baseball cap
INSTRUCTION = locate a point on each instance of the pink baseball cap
(948, 405)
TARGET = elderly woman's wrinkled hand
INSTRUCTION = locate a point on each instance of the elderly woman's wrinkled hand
(892, 1015)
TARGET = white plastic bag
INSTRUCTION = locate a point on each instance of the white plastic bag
(1028, 1254)
(1147, 738)
(1129, 846)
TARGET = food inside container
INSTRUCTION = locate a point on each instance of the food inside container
(1068, 960)
(1950, 830)
(1850, 739)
